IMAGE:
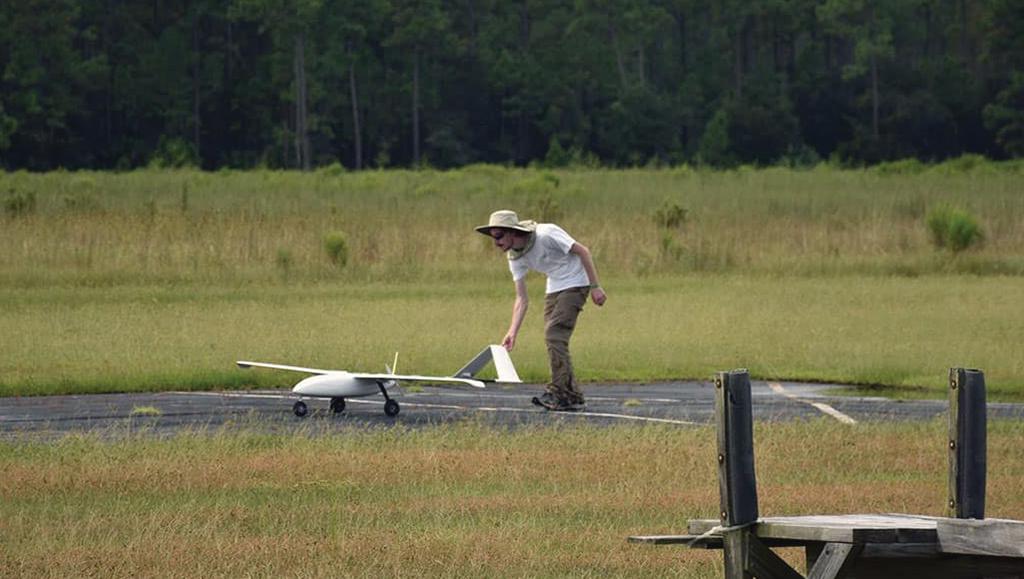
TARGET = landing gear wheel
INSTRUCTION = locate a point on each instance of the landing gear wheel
(391, 408)
(337, 405)
(300, 409)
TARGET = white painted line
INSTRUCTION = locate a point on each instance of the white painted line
(435, 393)
(657, 400)
(492, 394)
(236, 395)
(845, 419)
(456, 407)
(534, 410)
(632, 417)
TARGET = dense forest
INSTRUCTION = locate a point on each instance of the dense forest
(118, 84)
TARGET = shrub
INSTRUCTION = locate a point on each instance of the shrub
(284, 260)
(953, 228)
(901, 167)
(714, 146)
(557, 156)
(174, 153)
(80, 201)
(544, 208)
(965, 164)
(335, 169)
(535, 185)
(671, 215)
(336, 246)
(800, 156)
(671, 250)
(17, 203)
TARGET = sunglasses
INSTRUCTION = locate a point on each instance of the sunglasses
(498, 234)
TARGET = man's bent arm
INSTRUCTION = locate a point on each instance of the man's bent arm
(596, 293)
(518, 314)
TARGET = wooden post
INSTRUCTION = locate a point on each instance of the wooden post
(967, 444)
(737, 485)
(734, 415)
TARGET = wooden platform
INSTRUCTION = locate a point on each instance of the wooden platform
(964, 545)
(856, 529)
(885, 545)
(992, 537)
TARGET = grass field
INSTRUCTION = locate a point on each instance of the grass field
(455, 501)
(869, 330)
(160, 280)
(108, 229)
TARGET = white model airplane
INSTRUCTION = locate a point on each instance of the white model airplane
(339, 384)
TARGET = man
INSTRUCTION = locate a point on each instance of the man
(571, 277)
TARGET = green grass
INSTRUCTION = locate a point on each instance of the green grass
(868, 330)
(461, 500)
(146, 411)
(155, 280)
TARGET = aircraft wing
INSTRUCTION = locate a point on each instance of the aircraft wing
(413, 378)
(246, 364)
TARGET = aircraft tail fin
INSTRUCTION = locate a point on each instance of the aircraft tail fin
(502, 365)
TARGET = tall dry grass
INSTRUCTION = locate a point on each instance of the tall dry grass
(458, 501)
(185, 225)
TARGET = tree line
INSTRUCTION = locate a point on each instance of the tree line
(118, 84)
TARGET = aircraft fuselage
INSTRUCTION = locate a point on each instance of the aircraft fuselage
(337, 385)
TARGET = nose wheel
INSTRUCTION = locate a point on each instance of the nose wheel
(300, 409)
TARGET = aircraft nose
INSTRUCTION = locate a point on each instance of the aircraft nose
(311, 386)
(327, 386)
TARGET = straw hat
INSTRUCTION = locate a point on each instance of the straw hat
(506, 219)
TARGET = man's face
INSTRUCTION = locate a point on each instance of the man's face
(503, 238)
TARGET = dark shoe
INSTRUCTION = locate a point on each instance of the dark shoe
(546, 400)
(565, 406)
(557, 404)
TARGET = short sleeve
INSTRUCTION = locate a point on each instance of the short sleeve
(518, 268)
(558, 238)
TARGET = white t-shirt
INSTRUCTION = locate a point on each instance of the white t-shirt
(550, 256)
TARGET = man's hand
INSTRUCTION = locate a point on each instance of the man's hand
(509, 341)
(598, 296)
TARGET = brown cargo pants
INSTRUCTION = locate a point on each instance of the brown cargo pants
(561, 309)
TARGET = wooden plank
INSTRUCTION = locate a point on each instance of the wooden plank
(735, 548)
(812, 551)
(992, 537)
(763, 563)
(734, 419)
(952, 435)
(708, 542)
(967, 446)
(695, 541)
(833, 559)
(839, 528)
(943, 566)
(900, 551)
